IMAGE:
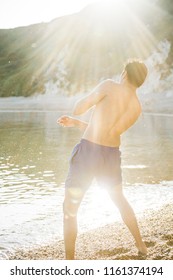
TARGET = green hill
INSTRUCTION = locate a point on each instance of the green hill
(76, 51)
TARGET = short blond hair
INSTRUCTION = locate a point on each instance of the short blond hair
(136, 72)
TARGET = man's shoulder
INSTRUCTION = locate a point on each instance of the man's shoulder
(109, 83)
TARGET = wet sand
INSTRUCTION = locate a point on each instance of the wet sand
(114, 242)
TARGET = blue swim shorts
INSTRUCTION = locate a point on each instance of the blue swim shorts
(90, 160)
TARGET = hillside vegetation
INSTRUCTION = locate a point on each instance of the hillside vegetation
(76, 51)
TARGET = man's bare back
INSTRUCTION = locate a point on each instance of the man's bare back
(113, 114)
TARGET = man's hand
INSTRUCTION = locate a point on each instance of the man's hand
(66, 121)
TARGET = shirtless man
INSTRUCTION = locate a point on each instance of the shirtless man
(116, 108)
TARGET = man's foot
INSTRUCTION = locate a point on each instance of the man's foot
(142, 249)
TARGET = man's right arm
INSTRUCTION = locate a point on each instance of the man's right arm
(96, 95)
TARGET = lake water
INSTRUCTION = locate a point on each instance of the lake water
(34, 153)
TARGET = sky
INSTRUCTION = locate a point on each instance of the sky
(14, 13)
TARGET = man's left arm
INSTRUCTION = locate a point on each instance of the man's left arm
(67, 121)
(92, 99)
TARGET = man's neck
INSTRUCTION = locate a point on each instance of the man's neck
(125, 83)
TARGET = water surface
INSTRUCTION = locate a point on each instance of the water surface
(34, 153)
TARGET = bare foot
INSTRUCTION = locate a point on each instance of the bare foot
(142, 249)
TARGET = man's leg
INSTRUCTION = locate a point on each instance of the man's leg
(73, 198)
(128, 216)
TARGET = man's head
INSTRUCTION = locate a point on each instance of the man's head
(136, 72)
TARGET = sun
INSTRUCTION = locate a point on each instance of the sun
(103, 4)
(105, 9)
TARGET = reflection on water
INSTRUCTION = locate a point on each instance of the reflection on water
(34, 154)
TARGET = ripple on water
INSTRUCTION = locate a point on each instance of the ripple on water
(134, 166)
(15, 169)
(4, 167)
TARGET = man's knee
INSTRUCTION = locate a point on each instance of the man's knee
(116, 191)
(70, 209)
(117, 196)
(72, 202)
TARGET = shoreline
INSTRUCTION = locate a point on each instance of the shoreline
(114, 242)
(159, 104)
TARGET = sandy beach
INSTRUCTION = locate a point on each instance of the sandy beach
(113, 241)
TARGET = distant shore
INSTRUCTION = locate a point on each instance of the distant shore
(114, 242)
(159, 103)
